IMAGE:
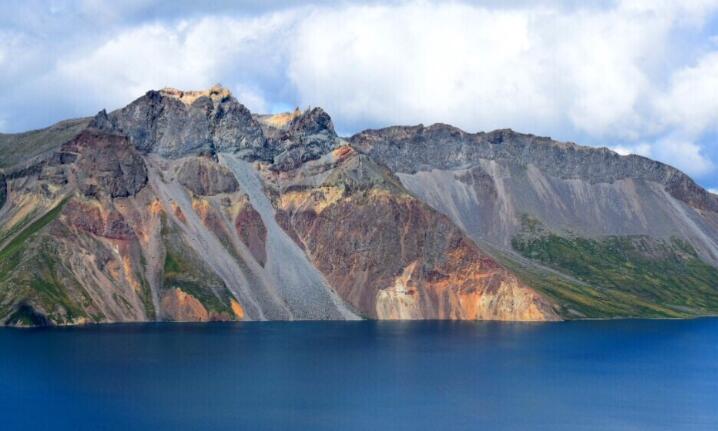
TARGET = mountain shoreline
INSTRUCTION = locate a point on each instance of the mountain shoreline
(185, 206)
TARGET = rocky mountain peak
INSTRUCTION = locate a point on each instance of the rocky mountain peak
(313, 121)
(175, 123)
(279, 121)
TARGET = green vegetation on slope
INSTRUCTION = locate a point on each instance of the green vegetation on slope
(29, 270)
(51, 291)
(19, 147)
(146, 294)
(12, 247)
(184, 271)
(620, 275)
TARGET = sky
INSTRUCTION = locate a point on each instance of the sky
(636, 76)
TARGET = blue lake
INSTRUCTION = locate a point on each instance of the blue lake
(592, 375)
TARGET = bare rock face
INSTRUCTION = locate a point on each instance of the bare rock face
(173, 124)
(107, 164)
(418, 148)
(315, 121)
(97, 219)
(299, 137)
(252, 232)
(685, 189)
(391, 256)
(182, 307)
(493, 184)
(206, 177)
(588, 191)
(3, 190)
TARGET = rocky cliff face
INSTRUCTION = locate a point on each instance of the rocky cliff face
(387, 253)
(185, 206)
(499, 186)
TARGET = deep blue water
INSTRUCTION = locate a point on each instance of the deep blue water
(597, 375)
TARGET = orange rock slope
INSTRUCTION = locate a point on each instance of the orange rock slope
(389, 255)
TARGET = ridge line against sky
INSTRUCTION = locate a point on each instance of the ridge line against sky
(635, 76)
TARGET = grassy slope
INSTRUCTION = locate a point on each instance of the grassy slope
(31, 230)
(183, 270)
(29, 270)
(18, 147)
(618, 276)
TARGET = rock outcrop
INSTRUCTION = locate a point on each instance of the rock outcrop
(391, 256)
(173, 124)
(3, 190)
(490, 184)
(206, 177)
(107, 164)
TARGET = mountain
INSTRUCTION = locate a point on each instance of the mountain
(185, 206)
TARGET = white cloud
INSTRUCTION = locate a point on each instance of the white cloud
(691, 103)
(423, 62)
(688, 12)
(641, 149)
(251, 97)
(538, 69)
(605, 73)
(188, 55)
(683, 154)
(619, 74)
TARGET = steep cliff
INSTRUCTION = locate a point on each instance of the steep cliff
(495, 185)
(184, 206)
(390, 255)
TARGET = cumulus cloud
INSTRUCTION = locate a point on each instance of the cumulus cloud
(186, 54)
(605, 74)
(410, 63)
(534, 68)
(691, 103)
(683, 154)
(641, 149)
(637, 76)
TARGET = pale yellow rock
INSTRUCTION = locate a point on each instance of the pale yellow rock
(317, 199)
(280, 120)
(216, 93)
(400, 301)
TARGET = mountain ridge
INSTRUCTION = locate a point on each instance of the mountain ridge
(184, 205)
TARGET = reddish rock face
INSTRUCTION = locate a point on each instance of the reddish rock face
(252, 232)
(392, 257)
(107, 164)
(210, 217)
(98, 220)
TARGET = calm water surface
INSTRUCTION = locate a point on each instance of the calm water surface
(602, 375)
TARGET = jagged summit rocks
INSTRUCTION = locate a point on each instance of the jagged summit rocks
(184, 205)
(216, 93)
(175, 123)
